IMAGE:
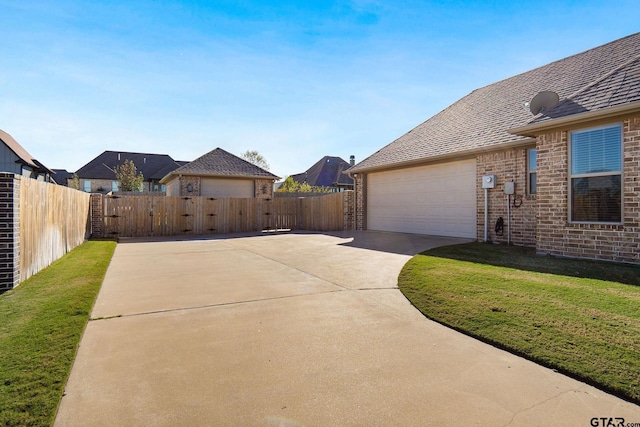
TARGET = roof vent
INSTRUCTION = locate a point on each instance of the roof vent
(543, 101)
(352, 160)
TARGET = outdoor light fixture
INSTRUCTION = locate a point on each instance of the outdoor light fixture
(189, 187)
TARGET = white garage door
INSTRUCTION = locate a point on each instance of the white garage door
(437, 199)
(216, 187)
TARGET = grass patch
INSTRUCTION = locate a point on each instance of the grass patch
(42, 323)
(577, 316)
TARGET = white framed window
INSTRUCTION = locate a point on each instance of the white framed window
(87, 186)
(595, 175)
(114, 186)
(532, 174)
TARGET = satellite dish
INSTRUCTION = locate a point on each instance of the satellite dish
(543, 101)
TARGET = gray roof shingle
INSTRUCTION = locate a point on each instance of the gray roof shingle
(219, 162)
(326, 172)
(481, 119)
(152, 166)
(620, 87)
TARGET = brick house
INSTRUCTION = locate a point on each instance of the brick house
(98, 176)
(574, 164)
(220, 174)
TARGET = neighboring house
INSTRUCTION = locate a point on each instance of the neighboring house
(220, 174)
(15, 159)
(98, 176)
(62, 177)
(575, 165)
(328, 172)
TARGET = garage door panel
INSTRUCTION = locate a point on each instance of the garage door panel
(437, 199)
(219, 187)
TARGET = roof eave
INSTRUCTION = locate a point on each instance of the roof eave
(531, 130)
(443, 157)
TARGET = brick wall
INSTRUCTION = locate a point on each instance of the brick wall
(349, 201)
(195, 182)
(556, 235)
(9, 232)
(507, 165)
(263, 188)
(97, 214)
(360, 205)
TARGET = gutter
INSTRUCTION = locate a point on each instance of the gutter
(170, 174)
(458, 155)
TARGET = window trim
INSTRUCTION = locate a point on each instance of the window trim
(532, 172)
(571, 176)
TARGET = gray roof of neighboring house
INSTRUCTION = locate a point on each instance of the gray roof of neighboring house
(60, 176)
(22, 154)
(326, 172)
(481, 119)
(221, 163)
(152, 166)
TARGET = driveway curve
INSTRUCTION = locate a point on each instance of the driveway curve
(296, 329)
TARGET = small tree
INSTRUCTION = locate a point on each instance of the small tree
(289, 186)
(128, 176)
(75, 182)
(256, 158)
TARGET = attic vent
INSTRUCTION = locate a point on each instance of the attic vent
(543, 101)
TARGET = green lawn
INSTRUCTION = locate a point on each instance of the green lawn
(42, 321)
(579, 317)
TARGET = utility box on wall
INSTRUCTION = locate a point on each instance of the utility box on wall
(509, 187)
(489, 181)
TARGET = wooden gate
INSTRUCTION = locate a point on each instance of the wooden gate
(149, 215)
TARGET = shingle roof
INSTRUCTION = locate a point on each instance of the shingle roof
(60, 176)
(326, 172)
(22, 153)
(482, 118)
(619, 87)
(219, 162)
(152, 166)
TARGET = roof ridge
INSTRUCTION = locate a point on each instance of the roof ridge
(603, 77)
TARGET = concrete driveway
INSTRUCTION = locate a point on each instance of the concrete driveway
(296, 329)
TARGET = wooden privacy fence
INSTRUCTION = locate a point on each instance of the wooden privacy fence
(39, 223)
(149, 215)
(52, 221)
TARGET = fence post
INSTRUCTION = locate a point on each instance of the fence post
(9, 231)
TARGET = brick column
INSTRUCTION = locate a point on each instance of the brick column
(9, 231)
(97, 214)
(348, 217)
(360, 200)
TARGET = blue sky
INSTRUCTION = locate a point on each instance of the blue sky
(294, 80)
